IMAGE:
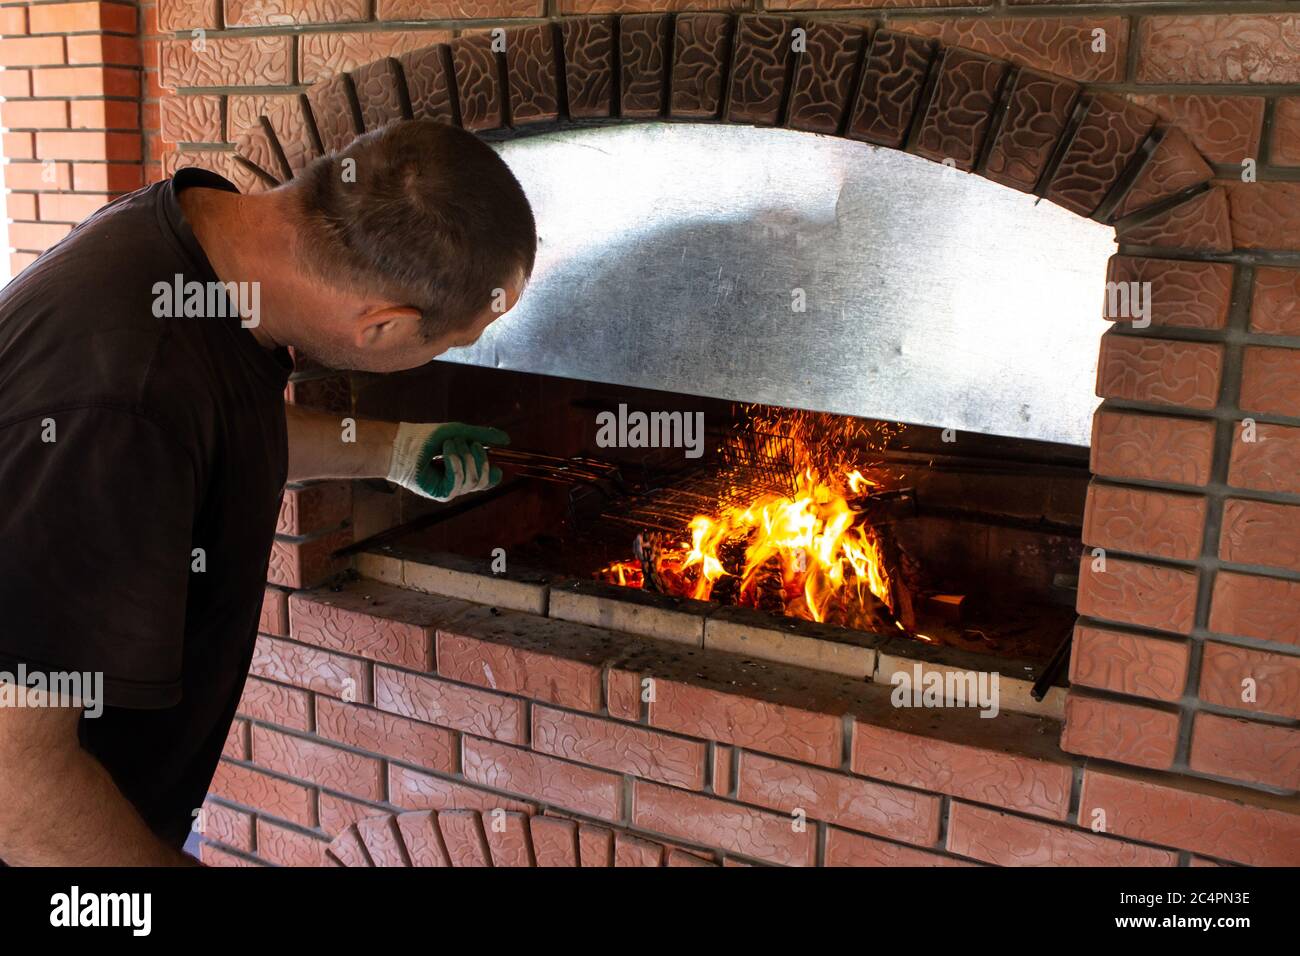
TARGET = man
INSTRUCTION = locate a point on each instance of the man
(145, 444)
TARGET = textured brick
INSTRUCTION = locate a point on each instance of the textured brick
(275, 704)
(378, 85)
(517, 670)
(414, 790)
(508, 840)
(1271, 381)
(236, 745)
(478, 82)
(305, 562)
(422, 839)
(1172, 167)
(1236, 48)
(428, 82)
(330, 103)
(1193, 295)
(335, 813)
(185, 14)
(634, 851)
(1150, 809)
(1275, 306)
(840, 799)
(1106, 139)
(851, 849)
(1246, 679)
(759, 66)
(960, 110)
(1265, 215)
(319, 763)
(623, 694)
(644, 51)
(1132, 592)
(1151, 447)
(1198, 224)
(1160, 371)
(252, 788)
(274, 13)
(1128, 663)
(462, 834)
(704, 820)
(595, 846)
(314, 508)
(372, 620)
(1285, 149)
(1246, 750)
(1058, 45)
(1006, 840)
(322, 55)
(449, 705)
(1138, 521)
(1257, 532)
(745, 722)
(285, 847)
(227, 61)
(1250, 605)
(555, 841)
(274, 619)
(1224, 129)
(407, 740)
(1124, 732)
(893, 76)
(588, 47)
(999, 777)
(227, 825)
(823, 79)
(212, 855)
(348, 848)
(1038, 108)
(1270, 462)
(554, 782)
(619, 747)
(311, 669)
(700, 52)
(531, 75)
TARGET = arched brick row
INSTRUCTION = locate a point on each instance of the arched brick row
(1093, 153)
(451, 838)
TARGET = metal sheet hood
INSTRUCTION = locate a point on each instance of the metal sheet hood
(805, 271)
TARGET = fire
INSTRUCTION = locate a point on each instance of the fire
(808, 554)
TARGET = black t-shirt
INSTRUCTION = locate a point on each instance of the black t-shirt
(168, 436)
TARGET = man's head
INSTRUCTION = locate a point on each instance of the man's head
(424, 232)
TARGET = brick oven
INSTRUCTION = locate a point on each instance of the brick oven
(471, 685)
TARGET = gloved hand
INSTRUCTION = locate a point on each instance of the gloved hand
(462, 468)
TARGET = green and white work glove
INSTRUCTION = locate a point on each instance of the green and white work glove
(444, 460)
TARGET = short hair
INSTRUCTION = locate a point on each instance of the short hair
(429, 216)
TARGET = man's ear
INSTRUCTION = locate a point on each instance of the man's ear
(387, 326)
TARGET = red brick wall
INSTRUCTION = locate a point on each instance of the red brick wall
(72, 110)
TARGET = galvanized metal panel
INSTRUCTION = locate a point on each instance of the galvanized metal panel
(674, 257)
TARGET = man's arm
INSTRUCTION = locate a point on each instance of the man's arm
(59, 806)
(441, 460)
(317, 448)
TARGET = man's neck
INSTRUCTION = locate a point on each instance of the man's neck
(239, 248)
